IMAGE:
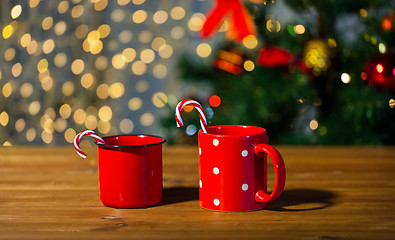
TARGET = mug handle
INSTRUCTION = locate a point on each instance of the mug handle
(279, 170)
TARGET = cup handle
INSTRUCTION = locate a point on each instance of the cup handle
(279, 170)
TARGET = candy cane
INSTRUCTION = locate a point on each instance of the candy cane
(77, 139)
(198, 107)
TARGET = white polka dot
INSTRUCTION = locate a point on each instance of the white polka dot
(244, 153)
(244, 187)
(200, 151)
(215, 170)
(215, 142)
(200, 183)
(216, 202)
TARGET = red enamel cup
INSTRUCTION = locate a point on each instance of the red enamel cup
(233, 171)
(130, 171)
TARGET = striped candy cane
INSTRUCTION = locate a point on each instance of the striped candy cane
(77, 140)
(198, 107)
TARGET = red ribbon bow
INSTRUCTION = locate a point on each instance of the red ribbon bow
(241, 23)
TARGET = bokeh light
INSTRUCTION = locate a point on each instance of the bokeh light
(159, 99)
(139, 16)
(135, 103)
(126, 126)
(177, 13)
(16, 11)
(159, 71)
(273, 25)
(299, 29)
(379, 68)
(7, 31)
(105, 113)
(47, 23)
(77, 66)
(7, 89)
(250, 42)
(313, 124)
(249, 65)
(101, 66)
(203, 50)
(196, 22)
(4, 118)
(142, 86)
(160, 17)
(345, 77)
(145, 36)
(147, 119)
(191, 130)
(26, 90)
(214, 101)
(139, 68)
(116, 90)
(147, 56)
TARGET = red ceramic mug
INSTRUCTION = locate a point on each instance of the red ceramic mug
(232, 168)
(130, 171)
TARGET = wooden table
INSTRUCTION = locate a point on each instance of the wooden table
(330, 193)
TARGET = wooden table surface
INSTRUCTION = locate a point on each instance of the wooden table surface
(330, 193)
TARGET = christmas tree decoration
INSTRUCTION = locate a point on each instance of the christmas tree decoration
(261, 1)
(317, 56)
(327, 41)
(231, 60)
(240, 21)
(380, 71)
(274, 57)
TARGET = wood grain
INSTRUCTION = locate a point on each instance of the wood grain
(330, 193)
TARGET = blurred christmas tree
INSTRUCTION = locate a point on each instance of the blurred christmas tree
(313, 72)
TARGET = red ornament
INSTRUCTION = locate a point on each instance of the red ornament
(274, 57)
(241, 23)
(380, 71)
(279, 57)
(230, 60)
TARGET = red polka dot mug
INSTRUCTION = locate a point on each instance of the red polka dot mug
(233, 171)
